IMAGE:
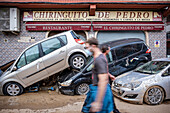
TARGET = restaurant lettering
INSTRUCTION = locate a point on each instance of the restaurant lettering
(128, 28)
(99, 16)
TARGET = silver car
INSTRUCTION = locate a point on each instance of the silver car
(149, 83)
(41, 60)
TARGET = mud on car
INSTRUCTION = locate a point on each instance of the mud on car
(41, 60)
(149, 83)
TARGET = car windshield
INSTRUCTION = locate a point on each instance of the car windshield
(89, 59)
(152, 67)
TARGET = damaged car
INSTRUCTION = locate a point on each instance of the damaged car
(124, 55)
(149, 83)
(77, 82)
(41, 60)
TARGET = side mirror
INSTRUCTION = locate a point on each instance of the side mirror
(14, 68)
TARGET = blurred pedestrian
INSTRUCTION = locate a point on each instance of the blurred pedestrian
(100, 97)
(105, 50)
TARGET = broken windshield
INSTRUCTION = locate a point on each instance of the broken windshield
(152, 67)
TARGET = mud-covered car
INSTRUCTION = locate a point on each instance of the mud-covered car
(124, 55)
(41, 60)
(149, 83)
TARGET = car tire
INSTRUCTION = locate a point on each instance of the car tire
(13, 89)
(154, 95)
(77, 61)
(82, 89)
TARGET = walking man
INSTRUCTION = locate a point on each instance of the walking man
(105, 50)
(100, 97)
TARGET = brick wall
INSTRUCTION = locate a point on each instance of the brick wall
(10, 48)
(158, 52)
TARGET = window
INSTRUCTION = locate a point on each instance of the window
(167, 72)
(32, 54)
(90, 67)
(50, 45)
(145, 48)
(64, 39)
(21, 61)
(74, 35)
(109, 57)
(136, 47)
(152, 67)
(124, 51)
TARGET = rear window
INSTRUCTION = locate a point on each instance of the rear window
(145, 48)
(77, 36)
(137, 47)
(74, 35)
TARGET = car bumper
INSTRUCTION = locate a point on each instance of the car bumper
(67, 90)
(133, 96)
(1, 92)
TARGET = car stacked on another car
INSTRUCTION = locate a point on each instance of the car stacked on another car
(149, 83)
(42, 60)
(125, 55)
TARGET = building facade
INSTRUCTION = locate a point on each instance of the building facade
(25, 22)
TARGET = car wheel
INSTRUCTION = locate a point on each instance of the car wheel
(13, 89)
(154, 95)
(77, 61)
(82, 89)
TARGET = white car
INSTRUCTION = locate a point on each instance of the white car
(42, 60)
(149, 83)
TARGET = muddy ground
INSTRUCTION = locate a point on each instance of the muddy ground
(53, 102)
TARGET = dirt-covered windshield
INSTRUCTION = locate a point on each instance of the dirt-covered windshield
(152, 67)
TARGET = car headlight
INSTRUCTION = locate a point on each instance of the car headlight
(66, 83)
(132, 85)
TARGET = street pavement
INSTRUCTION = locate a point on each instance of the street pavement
(52, 102)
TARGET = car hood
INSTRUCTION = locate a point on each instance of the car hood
(131, 77)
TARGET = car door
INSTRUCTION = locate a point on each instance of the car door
(122, 59)
(111, 59)
(166, 82)
(30, 66)
(54, 51)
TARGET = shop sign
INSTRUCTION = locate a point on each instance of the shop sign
(139, 27)
(128, 26)
(58, 27)
(84, 16)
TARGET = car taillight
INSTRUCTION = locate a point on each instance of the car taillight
(79, 41)
(148, 51)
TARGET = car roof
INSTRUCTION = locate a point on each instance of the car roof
(122, 42)
(162, 59)
(47, 39)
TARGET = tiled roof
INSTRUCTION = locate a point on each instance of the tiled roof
(85, 1)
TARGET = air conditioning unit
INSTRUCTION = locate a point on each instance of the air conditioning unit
(9, 19)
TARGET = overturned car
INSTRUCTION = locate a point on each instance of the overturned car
(42, 60)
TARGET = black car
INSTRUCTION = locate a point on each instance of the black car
(124, 55)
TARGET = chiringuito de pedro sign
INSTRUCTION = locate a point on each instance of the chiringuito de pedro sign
(84, 16)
